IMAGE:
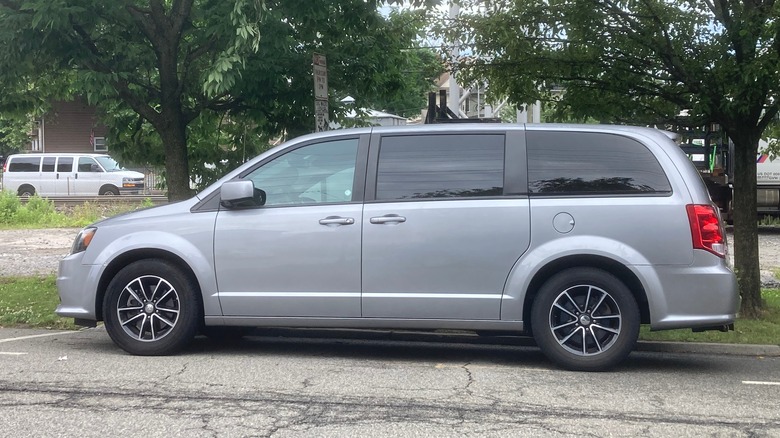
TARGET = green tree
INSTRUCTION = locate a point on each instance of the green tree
(14, 134)
(641, 61)
(274, 92)
(174, 61)
(402, 86)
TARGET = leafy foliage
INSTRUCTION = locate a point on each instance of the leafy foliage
(14, 134)
(212, 80)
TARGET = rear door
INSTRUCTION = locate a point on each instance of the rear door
(23, 171)
(443, 225)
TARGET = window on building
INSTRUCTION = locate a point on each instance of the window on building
(100, 144)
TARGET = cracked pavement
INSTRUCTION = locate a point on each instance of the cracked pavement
(270, 386)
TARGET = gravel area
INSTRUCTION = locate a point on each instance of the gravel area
(32, 252)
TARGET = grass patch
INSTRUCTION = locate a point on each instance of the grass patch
(30, 302)
(769, 221)
(746, 331)
(38, 212)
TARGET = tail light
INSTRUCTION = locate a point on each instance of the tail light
(706, 229)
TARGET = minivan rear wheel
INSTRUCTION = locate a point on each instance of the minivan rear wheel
(151, 308)
(585, 319)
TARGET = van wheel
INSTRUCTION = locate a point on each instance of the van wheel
(109, 191)
(585, 319)
(26, 191)
(151, 308)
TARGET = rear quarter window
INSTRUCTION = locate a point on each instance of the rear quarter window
(577, 163)
(25, 164)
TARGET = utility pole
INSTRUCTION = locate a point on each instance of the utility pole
(453, 100)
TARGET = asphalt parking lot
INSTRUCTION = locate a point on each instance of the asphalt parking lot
(278, 384)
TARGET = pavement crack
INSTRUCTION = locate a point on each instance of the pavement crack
(470, 375)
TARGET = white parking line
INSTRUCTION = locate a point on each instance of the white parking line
(21, 338)
(10, 353)
(753, 382)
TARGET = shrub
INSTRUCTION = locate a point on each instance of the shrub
(9, 205)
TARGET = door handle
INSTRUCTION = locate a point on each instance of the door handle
(389, 218)
(337, 220)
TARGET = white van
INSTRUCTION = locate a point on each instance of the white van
(69, 174)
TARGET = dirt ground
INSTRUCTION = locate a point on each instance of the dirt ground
(33, 252)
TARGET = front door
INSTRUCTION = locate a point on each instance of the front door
(299, 254)
(88, 177)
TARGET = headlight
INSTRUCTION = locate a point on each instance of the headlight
(83, 240)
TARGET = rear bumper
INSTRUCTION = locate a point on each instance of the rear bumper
(701, 295)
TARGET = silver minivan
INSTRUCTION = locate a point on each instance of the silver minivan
(575, 234)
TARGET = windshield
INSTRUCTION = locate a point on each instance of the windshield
(109, 164)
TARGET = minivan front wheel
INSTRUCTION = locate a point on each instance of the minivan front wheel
(585, 319)
(151, 308)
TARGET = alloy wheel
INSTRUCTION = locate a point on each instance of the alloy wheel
(148, 308)
(585, 320)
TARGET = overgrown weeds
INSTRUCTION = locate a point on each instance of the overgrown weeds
(38, 212)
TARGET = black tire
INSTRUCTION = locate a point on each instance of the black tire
(144, 320)
(109, 191)
(585, 319)
(26, 191)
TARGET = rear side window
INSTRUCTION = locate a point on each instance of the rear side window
(561, 163)
(48, 164)
(440, 166)
(25, 164)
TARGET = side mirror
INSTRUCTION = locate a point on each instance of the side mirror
(240, 194)
(95, 168)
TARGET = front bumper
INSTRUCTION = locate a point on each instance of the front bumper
(77, 287)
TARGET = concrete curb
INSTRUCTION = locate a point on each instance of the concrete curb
(465, 337)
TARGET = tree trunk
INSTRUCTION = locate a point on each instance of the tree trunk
(177, 169)
(746, 224)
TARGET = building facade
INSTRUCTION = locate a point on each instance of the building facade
(70, 126)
